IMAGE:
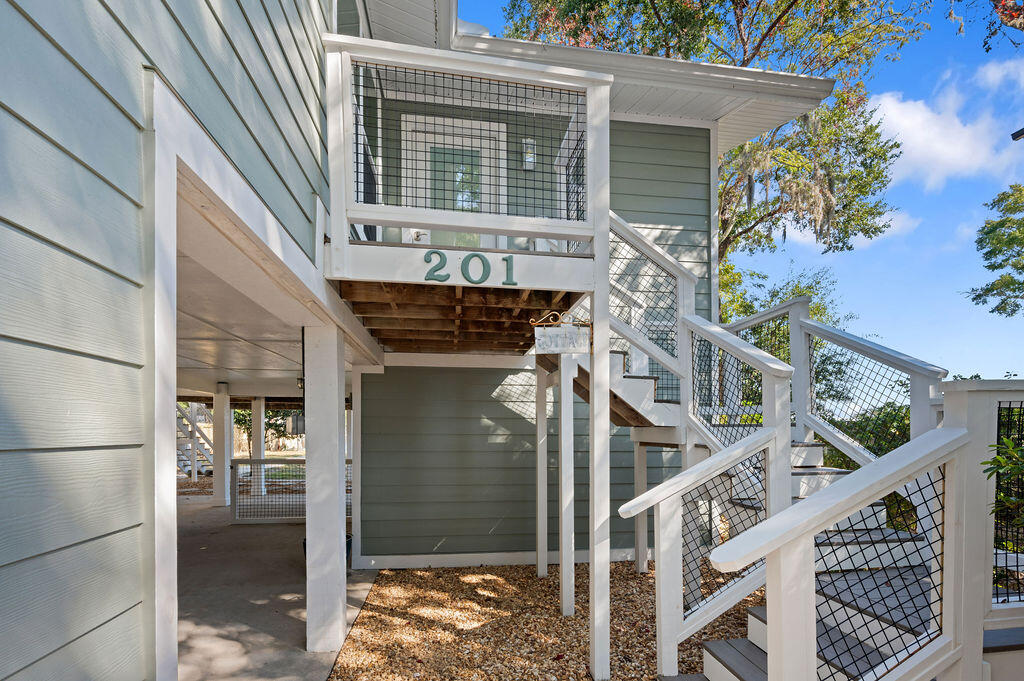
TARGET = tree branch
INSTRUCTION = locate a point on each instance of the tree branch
(768, 31)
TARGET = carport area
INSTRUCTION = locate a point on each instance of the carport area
(241, 599)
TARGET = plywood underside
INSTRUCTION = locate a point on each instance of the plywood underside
(451, 319)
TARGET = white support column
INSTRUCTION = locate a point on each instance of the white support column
(566, 485)
(640, 519)
(324, 376)
(193, 428)
(356, 456)
(541, 404)
(668, 583)
(223, 441)
(598, 159)
(800, 360)
(792, 638)
(259, 445)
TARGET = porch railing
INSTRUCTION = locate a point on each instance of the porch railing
(268, 490)
(456, 150)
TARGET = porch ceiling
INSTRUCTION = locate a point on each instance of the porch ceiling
(451, 319)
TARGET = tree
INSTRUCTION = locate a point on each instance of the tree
(1004, 19)
(823, 174)
(1001, 244)
(275, 423)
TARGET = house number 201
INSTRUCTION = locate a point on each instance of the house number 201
(440, 261)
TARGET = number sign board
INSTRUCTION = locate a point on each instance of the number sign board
(566, 339)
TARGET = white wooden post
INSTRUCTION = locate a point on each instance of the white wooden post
(356, 456)
(668, 583)
(640, 519)
(800, 360)
(223, 437)
(792, 638)
(193, 426)
(541, 404)
(598, 160)
(969, 549)
(922, 417)
(778, 464)
(324, 376)
(259, 446)
(566, 486)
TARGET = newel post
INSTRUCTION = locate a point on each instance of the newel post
(668, 582)
(792, 638)
(778, 464)
(800, 359)
(968, 539)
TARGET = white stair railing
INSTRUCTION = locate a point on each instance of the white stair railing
(745, 481)
(200, 449)
(795, 545)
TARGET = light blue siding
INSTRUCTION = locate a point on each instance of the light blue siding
(448, 463)
(72, 349)
(660, 182)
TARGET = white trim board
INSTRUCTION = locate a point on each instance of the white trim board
(467, 361)
(438, 560)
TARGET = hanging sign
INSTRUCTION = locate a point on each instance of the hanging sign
(557, 334)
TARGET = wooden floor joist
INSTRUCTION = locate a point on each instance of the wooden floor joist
(452, 319)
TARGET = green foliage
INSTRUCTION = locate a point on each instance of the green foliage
(1007, 462)
(1001, 244)
(823, 174)
(275, 422)
(744, 292)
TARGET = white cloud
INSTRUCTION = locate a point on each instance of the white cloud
(939, 143)
(962, 235)
(901, 223)
(995, 73)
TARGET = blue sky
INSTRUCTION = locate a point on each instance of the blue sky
(953, 107)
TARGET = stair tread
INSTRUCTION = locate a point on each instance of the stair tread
(838, 650)
(1004, 640)
(819, 470)
(883, 595)
(684, 677)
(757, 505)
(867, 536)
(798, 443)
(745, 660)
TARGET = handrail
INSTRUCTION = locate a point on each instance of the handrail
(877, 352)
(699, 474)
(649, 248)
(765, 315)
(750, 354)
(843, 497)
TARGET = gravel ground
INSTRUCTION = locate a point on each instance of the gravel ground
(203, 485)
(491, 623)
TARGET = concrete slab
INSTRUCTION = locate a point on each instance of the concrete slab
(241, 599)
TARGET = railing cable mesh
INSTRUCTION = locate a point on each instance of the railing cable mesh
(879, 583)
(643, 296)
(719, 510)
(1008, 552)
(268, 490)
(727, 392)
(863, 398)
(446, 141)
(771, 335)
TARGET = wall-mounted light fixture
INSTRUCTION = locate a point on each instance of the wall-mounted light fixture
(1019, 135)
(529, 153)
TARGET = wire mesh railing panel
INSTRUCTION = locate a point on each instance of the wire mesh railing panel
(719, 510)
(643, 294)
(727, 392)
(667, 389)
(879, 583)
(863, 398)
(1008, 552)
(771, 335)
(447, 141)
(267, 490)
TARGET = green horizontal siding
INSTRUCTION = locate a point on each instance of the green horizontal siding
(660, 183)
(448, 463)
